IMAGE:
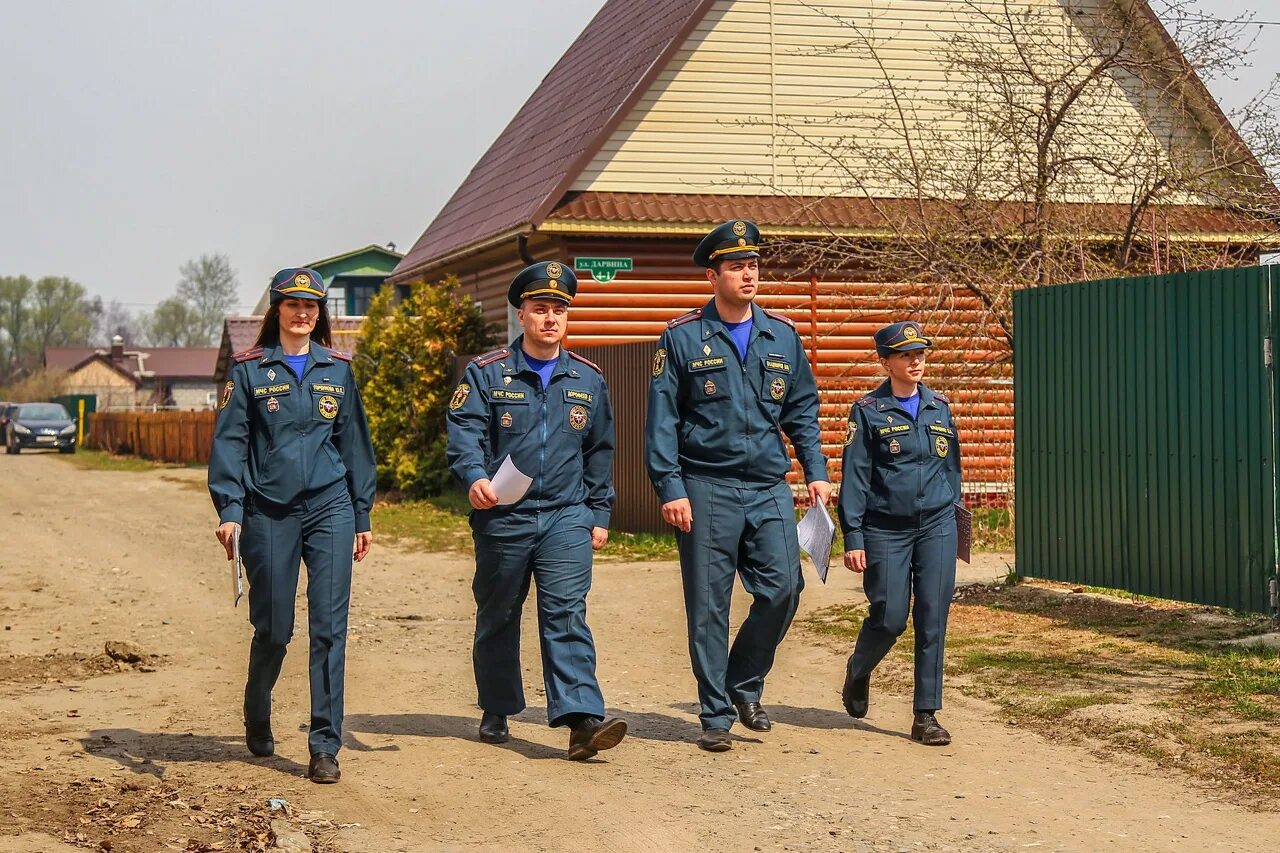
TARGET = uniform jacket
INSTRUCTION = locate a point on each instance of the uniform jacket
(562, 435)
(895, 467)
(277, 437)
(719, 418)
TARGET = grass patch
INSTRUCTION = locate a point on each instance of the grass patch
(1177, 691)
(992, 529)
(637, 547)
(97, 460)
(433, 524)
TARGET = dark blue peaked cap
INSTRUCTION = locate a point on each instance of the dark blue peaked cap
(297, 283)
(901, 337)
(731, 241)
(546, 280)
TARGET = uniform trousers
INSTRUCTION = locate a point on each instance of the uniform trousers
(905, 556)
(750, 532)
(318, 529)
(553, 549)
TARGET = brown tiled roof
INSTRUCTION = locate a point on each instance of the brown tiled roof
(163, 362)
(814, 215)
(561, 125)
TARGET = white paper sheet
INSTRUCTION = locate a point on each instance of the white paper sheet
(816, 532)
(237, 571)
(509, 483)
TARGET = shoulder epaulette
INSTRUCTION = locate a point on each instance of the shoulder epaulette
(588, 362)
(867, 402)
(340, 355)
(775, 315)
(248, 355)
(695, 314)
(942, 397)
(490, 357)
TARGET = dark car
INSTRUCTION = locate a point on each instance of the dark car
(39, 425)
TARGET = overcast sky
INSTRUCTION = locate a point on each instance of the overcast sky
(141, 134)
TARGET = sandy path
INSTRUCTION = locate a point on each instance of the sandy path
(94, 556)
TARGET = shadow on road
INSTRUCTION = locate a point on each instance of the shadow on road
(149, 753)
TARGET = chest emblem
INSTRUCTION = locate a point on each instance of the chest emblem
(271, 374)
(328, 407)
(706, 349)
(459, 396)
(851, 433)
(226, 394)
(273, 405)
(777, 387)
(895, 446)
(941, 445)
(890, 418)
(709, 388)
(578, 417)
(506, 380)
(505, 420)
(659, 361)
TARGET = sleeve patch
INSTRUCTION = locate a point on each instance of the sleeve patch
(460, 395)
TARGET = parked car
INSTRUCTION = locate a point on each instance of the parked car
(45, 425)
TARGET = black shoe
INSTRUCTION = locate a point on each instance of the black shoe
(493, 728)
(715, 740)
(753, 716)
(927, 730)
(324, 769)
(594, 735)
(258, 737)
(856, 695)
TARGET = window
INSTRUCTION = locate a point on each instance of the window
(337, 301)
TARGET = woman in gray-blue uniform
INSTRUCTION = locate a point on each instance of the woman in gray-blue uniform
(901, 482)
(292, 475)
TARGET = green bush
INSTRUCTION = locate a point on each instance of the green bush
(405, 365)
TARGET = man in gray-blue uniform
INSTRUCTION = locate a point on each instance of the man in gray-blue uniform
(897, 513)
(548, 410)
(728, 380)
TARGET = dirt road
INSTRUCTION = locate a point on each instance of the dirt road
(94, 556)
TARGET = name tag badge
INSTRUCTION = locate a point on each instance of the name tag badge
(706, 363)
(507, 395)
(780, 366)
(572, 395)
(893, 430)
(323, 388)
(941, 430)
(272, 390)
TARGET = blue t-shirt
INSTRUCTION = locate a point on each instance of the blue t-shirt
(911, 404)
(297, 363)
(741, 334)
(544, 369)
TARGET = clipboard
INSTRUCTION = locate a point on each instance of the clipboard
(237, 571)
(964, 533)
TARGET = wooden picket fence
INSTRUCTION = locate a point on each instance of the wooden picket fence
(181, 437)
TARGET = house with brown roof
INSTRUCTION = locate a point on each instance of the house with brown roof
(665, 118)
(145, 377)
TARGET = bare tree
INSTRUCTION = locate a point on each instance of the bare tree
(1021, 170)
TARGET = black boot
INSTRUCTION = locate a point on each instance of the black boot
(258, 737)
(753, 716)
(324, 769)
(493, 728)
(715, 740)
(592, 735)
(927, 730)
(856, 695)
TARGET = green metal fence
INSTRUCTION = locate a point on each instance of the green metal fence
(1145, 435)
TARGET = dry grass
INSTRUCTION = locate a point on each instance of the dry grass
(1149, 677)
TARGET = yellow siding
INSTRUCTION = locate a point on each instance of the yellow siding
(764, 92)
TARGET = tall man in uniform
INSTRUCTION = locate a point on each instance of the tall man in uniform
(548, 409)
(728, 380)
